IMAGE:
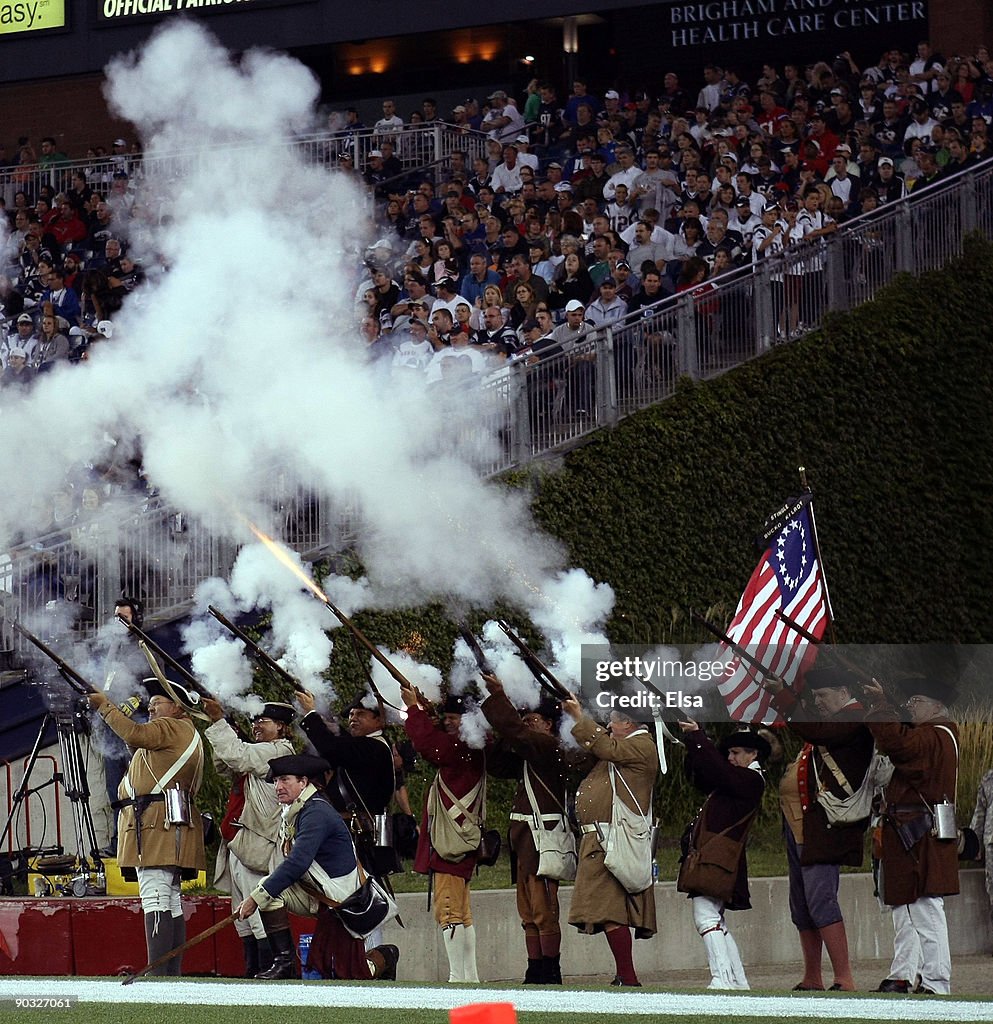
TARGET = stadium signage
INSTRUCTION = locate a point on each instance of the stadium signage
(727, 21)
(118, 11)
(31, 15)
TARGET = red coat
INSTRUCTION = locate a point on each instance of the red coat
(461, 768)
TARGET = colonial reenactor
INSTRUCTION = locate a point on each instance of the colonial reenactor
(731, 776)
(538, 803)
(450, 826)
(316, 864)
(162, 841)
(599, 902)
(918, 867)
(251, 819)
(362, 761)
(835, 757)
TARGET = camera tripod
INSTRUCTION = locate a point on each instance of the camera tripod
(68, 725)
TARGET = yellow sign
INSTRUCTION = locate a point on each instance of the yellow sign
(31, 15)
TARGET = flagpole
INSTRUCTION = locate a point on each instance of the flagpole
(817, 553)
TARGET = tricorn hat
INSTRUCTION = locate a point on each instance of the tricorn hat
(454, 705)
(299, 764)
(277, 711)
(749, 740)
(823, 678)
(928, 686)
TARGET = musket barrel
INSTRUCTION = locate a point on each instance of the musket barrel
(166, 657)
(255, 650)
(71, 676)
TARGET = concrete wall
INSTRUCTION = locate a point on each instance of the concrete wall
(764, 934)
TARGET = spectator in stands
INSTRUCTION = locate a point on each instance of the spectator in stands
(887, 184)
(608, 306)
(390, 124)
(496, 336)
(53, 345)
(51, 156)
(17, 376)
(572, 282)
(23, 338)
(628, 172)
(504, 122)
(66, 227)
(506, 177)
(64, 300)
(575, 322)
(579, 97)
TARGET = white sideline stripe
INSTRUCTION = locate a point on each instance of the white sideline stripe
(194, 991)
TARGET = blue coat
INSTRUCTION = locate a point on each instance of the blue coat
(321, 836)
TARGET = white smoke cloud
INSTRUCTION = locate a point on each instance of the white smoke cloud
(242, 372)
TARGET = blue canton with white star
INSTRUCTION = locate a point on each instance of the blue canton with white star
(792, 554)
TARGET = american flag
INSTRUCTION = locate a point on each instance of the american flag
(787, 578)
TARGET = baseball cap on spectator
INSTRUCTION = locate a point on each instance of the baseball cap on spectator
(624, 264)
(25, 318)
(770, 208)
(120, 174)
(885, 161)
(563, 186)
(498, 95)
(742, 201)
(843, 148)
(458, 110)
(375, 152)
(120, 142)
(608, 282)
(730, 156)
(554, 164)
(572, 305)
(17, 351)
(837, 92)
(611, 94)
(447, 283)
(523, 138)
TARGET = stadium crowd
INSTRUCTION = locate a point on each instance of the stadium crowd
(585, 208)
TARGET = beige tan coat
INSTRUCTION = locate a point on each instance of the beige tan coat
(598, 899)
(159, 744)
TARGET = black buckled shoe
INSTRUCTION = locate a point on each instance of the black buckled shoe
(283, 967)
(391, 957)
(894, 985)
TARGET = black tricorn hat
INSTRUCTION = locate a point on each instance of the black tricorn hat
(929, 686)
(749, 740)
(277, 711)
(299, 764)
(824, 678)
(547, 707)
(454, 705)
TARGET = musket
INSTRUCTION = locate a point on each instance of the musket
(68, 673)
(360, 637)
(540, 671)
(843, 660)
(749, 659)
(261, 656)
(150, 645)
(472, 643)
(189, 944)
